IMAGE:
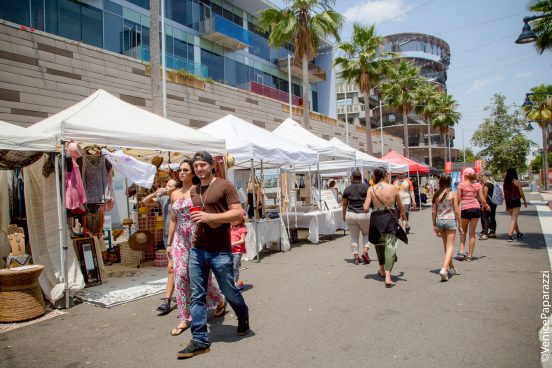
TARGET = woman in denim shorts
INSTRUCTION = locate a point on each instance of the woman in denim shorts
(446, 218)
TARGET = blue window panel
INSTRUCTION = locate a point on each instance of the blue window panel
(51, 23)
(92, 24)
(113, 33)
(226, 27)
(69, 20)
(16, 11)
(214, 63)
(37, 14)
(112, 7)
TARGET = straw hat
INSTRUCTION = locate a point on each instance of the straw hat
(127, 222)
(141, 240)
(157, 161)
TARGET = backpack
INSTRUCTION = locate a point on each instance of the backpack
(498, 194)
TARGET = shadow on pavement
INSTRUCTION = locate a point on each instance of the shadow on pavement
(219, 332)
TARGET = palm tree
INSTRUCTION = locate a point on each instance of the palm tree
(426, 105)
(446, 117)
(542, 27)
(541, 111)
(302, 23)
(398, 90)
(364, 63)
(156, 97)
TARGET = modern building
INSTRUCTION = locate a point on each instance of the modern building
(432, 55)
(214, 39)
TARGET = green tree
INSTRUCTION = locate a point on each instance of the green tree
(425, 96)
(156, 93)
(541, 111)
(501, 137)
(445, 117)
(470, 155)
(302, 23)
(398, 90)
(364, 63)
(536, 164)
(543, 26)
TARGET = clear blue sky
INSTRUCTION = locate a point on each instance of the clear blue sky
(484, 58)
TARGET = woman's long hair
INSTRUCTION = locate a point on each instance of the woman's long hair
(445, 182)
(195, 179)
(511, 175)
(379, 174)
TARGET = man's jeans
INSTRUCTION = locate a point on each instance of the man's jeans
(220, 263)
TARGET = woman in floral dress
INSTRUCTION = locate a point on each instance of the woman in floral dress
(181, 233)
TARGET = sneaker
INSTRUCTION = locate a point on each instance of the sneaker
(365, 258)
(192, 349)
(443, 274)
(520, 235)
(492, 235)
(408, 229)
(165, 307)
(510, 238)
(483, 237)
(243, 327)
(452, 271)
(460, 256)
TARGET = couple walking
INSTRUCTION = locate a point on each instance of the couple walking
(199, 235)
(381, 227)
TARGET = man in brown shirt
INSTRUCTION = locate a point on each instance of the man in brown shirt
(216, 205)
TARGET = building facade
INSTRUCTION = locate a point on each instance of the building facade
(214, 39)
(432, 56)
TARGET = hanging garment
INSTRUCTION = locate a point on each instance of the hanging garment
(94, 175)
(75, 195)
(140, 173)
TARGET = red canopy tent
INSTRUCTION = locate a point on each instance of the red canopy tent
(413, 166)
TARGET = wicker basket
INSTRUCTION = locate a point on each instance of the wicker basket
(20, 294)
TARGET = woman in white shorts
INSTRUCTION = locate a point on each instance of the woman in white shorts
(446, 219)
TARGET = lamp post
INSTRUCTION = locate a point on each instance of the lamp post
(544, 127)
(381, 121)
(527, 35)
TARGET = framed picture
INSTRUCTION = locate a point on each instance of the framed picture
(86, 253)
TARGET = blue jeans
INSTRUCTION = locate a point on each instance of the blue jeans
(220, 263)
(237, 263)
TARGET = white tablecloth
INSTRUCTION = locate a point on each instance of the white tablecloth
(318, 222)
(269, 234)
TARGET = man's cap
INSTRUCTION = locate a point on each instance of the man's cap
(203, 156)
(356, 174)
(487, 173)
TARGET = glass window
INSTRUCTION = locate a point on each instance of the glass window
(216, 9)
(112, 7)
(176, 10)
(113, 33)
(16, 11)
(141, 3)
(214, 63)
(92, 26)
(50, 8)
(37, 14)
(315, 101)
(181, 48)
(230, 72)
(69, 24)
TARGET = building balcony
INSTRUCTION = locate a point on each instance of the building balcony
(316, 74)
(274, 93)
(142, 52)
(226, 33)
(351, 109)
(347, 88)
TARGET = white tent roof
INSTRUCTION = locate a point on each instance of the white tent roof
(104, 119)
(14, 137)
(293, 131)
(247, 141)
(366, 160)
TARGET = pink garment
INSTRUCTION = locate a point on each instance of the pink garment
(470, 195)
(235, 234)
(75, 195)
(180, 251)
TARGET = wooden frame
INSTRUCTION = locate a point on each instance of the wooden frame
(85, 250)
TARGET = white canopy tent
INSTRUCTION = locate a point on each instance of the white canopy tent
(366, 160)
(293, 131)
(246, 142)
(105, 120)
(14, 137)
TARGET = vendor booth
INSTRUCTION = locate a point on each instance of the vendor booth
(256, 149)
(97, 136)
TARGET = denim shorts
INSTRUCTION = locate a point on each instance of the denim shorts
(446, 224)
(472, 213)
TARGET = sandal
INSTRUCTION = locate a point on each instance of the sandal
(179, 329)
(221, 309)
(389, 286)
(381, 275)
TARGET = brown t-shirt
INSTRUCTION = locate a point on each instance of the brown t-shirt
(217, 197)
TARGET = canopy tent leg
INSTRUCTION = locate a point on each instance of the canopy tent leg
(63, 227)
(61, 213)
(419, 195)
(255, 217)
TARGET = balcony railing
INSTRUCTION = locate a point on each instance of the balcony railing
(316, 74)
(274, 93)
(226, 33)
(347, 88)
(173, 62)
(351, 109)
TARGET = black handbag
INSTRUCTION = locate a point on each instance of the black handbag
(395, 214)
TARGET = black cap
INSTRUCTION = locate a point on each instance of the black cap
(203, 156)
(356, 174)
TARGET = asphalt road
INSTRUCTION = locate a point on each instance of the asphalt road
(311, 307)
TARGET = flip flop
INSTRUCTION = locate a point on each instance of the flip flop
(389, 286)
(178, 330)
(221, 309)
(381, 275)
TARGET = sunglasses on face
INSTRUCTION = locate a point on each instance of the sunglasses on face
(184, 170)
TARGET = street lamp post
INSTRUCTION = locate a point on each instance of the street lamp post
(527, 35)
(544, 128)
(381, 121)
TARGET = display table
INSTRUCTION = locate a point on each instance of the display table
(20, 294)
(318, 222)
(270, 234)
